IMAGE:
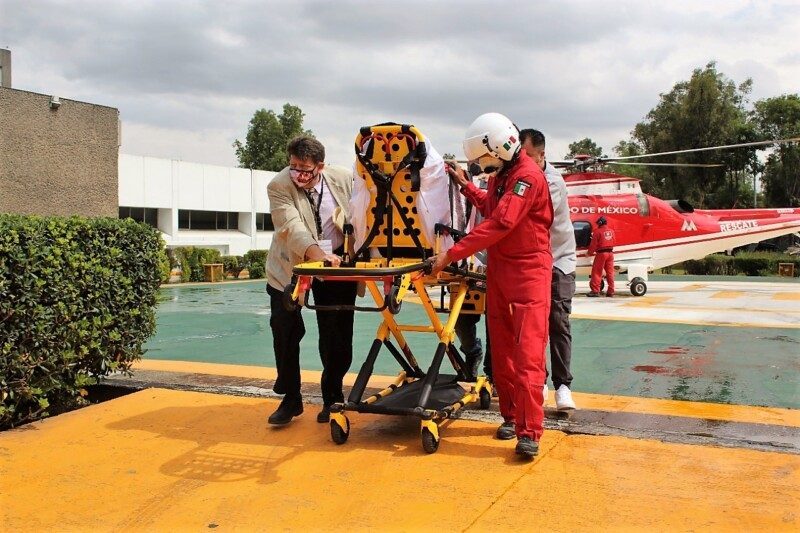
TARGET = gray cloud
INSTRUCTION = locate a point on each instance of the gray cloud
(197, 70)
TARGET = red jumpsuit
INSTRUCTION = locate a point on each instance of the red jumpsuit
(516, 232)
(602, 247)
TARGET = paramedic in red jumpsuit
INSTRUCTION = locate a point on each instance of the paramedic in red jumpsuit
(516, 233)
(602, 247)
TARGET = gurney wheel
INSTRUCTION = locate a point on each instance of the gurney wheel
(338, 434)
(288, 301)
(429, 442)
(391, 301)
(486, 398)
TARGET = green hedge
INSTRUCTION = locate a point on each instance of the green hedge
(747, 263)
(233, 264)
(77, 301)
(192, 259)
(255, 262)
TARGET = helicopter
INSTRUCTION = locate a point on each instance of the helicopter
(653, 233)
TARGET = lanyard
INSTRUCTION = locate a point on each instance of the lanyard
(316, 208)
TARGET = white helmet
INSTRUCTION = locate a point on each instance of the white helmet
(493, 135)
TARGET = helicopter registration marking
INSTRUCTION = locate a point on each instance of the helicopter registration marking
(735, 225)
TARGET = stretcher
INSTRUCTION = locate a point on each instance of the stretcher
(393, 261)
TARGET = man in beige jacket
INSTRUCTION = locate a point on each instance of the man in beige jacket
(304, 198)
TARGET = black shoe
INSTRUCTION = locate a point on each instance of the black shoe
(593, 294)
(609, 295)
(506, 431)
(278, 387)
(288, 409)
(527, 446)
(324, 416)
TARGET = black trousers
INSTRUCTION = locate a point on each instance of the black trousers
(562, 289)
(335, 338)
(466, 329)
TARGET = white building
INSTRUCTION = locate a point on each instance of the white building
(193, 204)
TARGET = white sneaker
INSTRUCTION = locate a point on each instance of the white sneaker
(544, 395)
(564, 400)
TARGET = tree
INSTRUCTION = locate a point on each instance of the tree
(267, 136)
(629, 148)
(779, 118)
(585, 146)
(707, 110)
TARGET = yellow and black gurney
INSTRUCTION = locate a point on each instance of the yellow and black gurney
(389, 158)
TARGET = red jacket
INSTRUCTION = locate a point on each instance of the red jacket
(518, 213)
(603, 238)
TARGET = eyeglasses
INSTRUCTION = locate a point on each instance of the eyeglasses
(298, 172)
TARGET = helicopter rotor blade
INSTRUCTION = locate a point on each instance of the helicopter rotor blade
(691, 150)
(696, 165)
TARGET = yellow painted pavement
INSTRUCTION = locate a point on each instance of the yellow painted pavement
(161, 460)
(791, 296)
(694, 287)
(647, 301)
(728, 294)
(599, 402)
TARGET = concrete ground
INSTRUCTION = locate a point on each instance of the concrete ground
(688, 420)
(163, 460)
(718, 303)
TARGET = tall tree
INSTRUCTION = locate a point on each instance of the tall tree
(265, 145)
(629, 148)
(779, 118)
(707, 110)
(585, 146)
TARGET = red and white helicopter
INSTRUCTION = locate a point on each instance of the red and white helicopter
(652, 233)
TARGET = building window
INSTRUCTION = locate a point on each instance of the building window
(148, 215)
(207, 220)
(583, 233)
(264, 222)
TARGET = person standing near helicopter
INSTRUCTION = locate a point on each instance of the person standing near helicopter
(516, 234)
(602, 248)
(562, 288)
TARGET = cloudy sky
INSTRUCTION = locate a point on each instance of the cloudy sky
(187, 76)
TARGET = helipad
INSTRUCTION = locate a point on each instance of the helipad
(689, 420)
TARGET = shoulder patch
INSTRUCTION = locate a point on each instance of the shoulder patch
(521, 187)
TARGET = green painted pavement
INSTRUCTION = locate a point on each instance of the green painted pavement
(229, 323)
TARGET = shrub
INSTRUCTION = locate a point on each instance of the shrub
(746, 263)
(713, 265)
(764, 263)
(234, 264)
(77, 301)
(192, 260)
(164, 265)
(255, 261)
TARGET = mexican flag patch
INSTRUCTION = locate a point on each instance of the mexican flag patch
(521, 188)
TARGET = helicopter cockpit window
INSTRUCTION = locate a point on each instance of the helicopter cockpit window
(644, 205)
(583, 233)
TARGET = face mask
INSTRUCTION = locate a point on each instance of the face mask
(301, 178)
(490, 164)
